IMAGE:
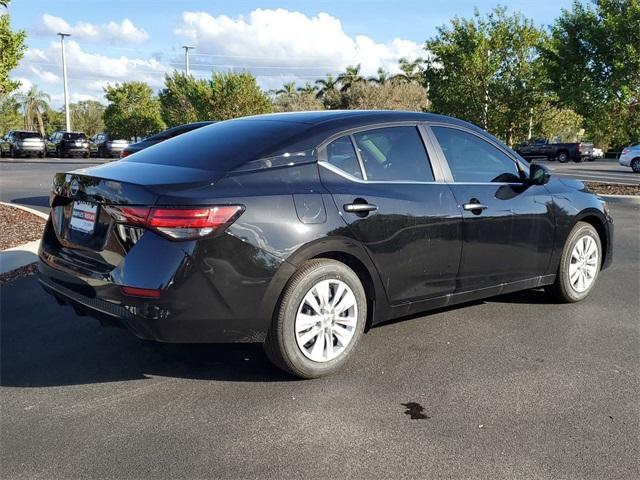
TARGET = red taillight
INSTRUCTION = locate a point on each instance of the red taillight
(141, 292)
(124, 153)
(180, 223)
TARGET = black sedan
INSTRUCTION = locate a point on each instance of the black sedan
(161, 137)
(303, 230)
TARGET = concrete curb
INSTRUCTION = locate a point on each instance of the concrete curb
(24, 254)
(27, 209)
(19, 256)
(628, 199)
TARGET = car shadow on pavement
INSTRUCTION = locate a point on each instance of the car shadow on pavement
(43, 344)
(42, 201)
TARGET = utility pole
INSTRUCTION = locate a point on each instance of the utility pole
(64, 76)
(186, 57)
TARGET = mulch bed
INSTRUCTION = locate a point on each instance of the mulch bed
(18, 227)
(612, 189)
(19, 272)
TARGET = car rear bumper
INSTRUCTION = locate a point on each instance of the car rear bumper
(201, 298)
(148, 319)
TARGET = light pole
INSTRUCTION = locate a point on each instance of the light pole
(64, 76)
(186, 57)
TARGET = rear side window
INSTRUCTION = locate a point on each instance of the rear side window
(27, 135)
(394, 154)
(341, 154)
(472, 159)
(222, 146)
(74, 136)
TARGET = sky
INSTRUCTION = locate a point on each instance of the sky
(277, 41)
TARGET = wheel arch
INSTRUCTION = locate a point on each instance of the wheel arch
(342, 249)
(597, 220)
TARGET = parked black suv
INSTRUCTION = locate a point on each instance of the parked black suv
(161, 137)
(563, 152)
(17, 143)
(302, 230)
(68, 144)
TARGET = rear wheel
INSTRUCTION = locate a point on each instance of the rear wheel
(563, 157)
(319, 321)
(579, 265)
(635, 165)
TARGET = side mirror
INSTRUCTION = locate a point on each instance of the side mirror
(539, 174)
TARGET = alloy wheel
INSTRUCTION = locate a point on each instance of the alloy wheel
(326, 320)
(583, 265)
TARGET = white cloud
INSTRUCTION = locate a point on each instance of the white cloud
(113, 32)
(88, 73)
(273, 42)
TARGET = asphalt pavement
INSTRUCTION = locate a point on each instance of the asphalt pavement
(27, 181)
(512, 387)
(601, 170)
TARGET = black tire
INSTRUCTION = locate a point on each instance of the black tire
(635, 165)
(12, 152)
(563, 157)
(562, 289)
(281, 346)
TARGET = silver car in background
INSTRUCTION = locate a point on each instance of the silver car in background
(630, 157)
(107, 147)
(19, 143)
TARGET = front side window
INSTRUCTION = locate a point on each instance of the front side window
(471, 159)
(394, 154)
(342, 155)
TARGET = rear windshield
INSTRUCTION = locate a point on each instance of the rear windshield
(74, 136)
(222, 146)
(27, 135)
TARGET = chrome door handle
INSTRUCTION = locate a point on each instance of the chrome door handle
(475, 206)
(359, 207)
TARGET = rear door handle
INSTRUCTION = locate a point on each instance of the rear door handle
(471, 206)
(359, 207)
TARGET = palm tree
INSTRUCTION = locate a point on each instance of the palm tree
(326, 85)
(308, 89)
(382, 78)
(411, 71)
(350, 77)
(287, 89)
(34, 104)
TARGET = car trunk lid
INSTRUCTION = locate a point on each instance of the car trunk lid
(84, 227)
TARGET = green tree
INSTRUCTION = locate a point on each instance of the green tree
(326, 85)
(410, 71)
(350, 77)
(53, 120)
(287, 89)
(10, 117)
(133, 111)
(12, 47)
(593, 63)
(86, 116)
(382, 78)
(34, 103)
(487, 70)
(236, 95)
(184, 99)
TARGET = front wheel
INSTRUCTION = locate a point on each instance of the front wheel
(319, 320)
(579, 264)
(563, 157)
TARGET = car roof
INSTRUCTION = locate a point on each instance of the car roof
(322, 124)
(318, 117)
